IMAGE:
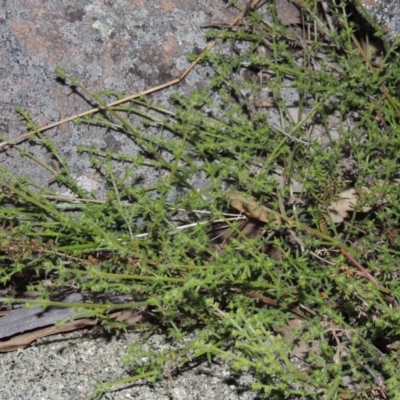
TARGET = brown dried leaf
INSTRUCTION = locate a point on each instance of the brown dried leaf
(249, 228)
(288, 12)
(131, 316)
(221, 236)
(249, 207)
(346, 203)
(301, 348)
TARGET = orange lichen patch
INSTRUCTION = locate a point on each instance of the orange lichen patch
(367, 2)
(171, 5)
(37, 9)
(139, 3)
(171, 47)
(37, 41)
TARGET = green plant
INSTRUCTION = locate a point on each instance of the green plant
(284, 281)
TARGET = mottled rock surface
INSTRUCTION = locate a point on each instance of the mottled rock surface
(386, 13)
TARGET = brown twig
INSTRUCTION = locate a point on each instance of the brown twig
(367, 275)
(268, 301)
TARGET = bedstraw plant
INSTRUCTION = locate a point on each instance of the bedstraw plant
(242, 246)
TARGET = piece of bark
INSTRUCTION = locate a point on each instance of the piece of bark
(23, 326)
(27, 319)
(24, 340)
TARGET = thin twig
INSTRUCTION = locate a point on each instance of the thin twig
(182, 227)
(368, 276)
(295, 139)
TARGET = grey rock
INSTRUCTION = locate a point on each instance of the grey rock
(385, 13)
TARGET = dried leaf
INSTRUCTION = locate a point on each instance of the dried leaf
(346, 203)
(341, 352)
(131, 316)
(249, 228)
(252, 229)
(249, 207)
(301, 348)
(288, 12)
